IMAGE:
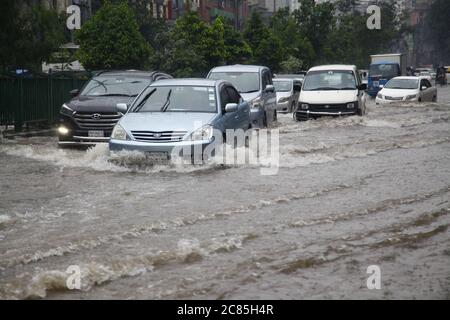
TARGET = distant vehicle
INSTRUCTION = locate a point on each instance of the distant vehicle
(287, 91)
(447, 68)
(384, 67)
(331, 90)
(255, 85)
(297, 76)
(179, 113)
(426, 74)
(91, 114)
(407, 89)
(364, 74)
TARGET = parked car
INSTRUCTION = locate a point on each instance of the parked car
(90, 116)
(179, 113)
(331, 90)
(296, 76)
(408, 89)
(287, 91)
(255, 85)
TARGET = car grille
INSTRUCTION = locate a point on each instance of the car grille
(394, 98)
(328, 107)
(163, 136)
(104, 120)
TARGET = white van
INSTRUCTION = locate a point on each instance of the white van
(332, 90)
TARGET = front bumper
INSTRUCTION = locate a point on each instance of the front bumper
(283, 106)
(179, 148)
(386, 102)
(308, 114)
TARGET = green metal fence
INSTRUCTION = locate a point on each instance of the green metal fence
(25, 100)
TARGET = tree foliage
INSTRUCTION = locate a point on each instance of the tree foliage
(111, 39)
(28, 34)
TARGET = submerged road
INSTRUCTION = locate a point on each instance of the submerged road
(350, 193)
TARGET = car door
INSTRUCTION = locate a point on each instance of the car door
(361, 94)
(243, 112)
(231, 118)
(430, 90)
(269, 98)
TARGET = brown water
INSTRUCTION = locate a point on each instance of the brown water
(350, 192)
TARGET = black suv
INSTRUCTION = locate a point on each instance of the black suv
(91, 115)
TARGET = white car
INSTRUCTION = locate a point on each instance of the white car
(331, 90)
(407, 89)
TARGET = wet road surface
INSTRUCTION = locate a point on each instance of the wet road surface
(350, 193)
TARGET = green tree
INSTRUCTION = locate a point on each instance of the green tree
(315, 22)
(111, 39)
(294, 45)
(237, 50)
(28, 34)
(266, 47)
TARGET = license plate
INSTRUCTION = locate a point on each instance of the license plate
(157, 156)
(376, 83)
(96, 133)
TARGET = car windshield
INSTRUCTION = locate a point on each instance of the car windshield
(330, 80)
(115, 86)
(384, 70)
(402, 84)
(282, 86)
(182, 98)
(244, 82)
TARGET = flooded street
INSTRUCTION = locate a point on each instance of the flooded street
(350, 193)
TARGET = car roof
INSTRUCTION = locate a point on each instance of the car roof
(188, 82)
(134, 73)
(238, 67)
(334, 67)
(284, 79)
(409, 78)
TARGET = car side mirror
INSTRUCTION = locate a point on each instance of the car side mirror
(122, 107)
(422, 88)
(74, 92)
(362, 86)
(270, 88)
(231, 107)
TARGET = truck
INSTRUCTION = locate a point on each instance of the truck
(384, 67)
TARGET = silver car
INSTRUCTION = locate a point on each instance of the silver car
(255, 85)
(179, 113)
(287, 94)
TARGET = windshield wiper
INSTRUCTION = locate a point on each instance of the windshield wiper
(167, 103)
(324, 88)
(117, 95)
(347, 88)
(141, 104)
(250, 91)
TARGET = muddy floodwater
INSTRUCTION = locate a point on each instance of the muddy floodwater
(350, 193)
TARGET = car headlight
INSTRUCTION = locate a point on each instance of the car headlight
(66, 110)
(351, 105)
(380, 96)
(119, 133)
(283, 99)
(256, 103)
(202, 134)
(304, 106)
(410, 97)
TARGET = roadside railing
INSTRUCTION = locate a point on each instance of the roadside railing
(25, 101)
